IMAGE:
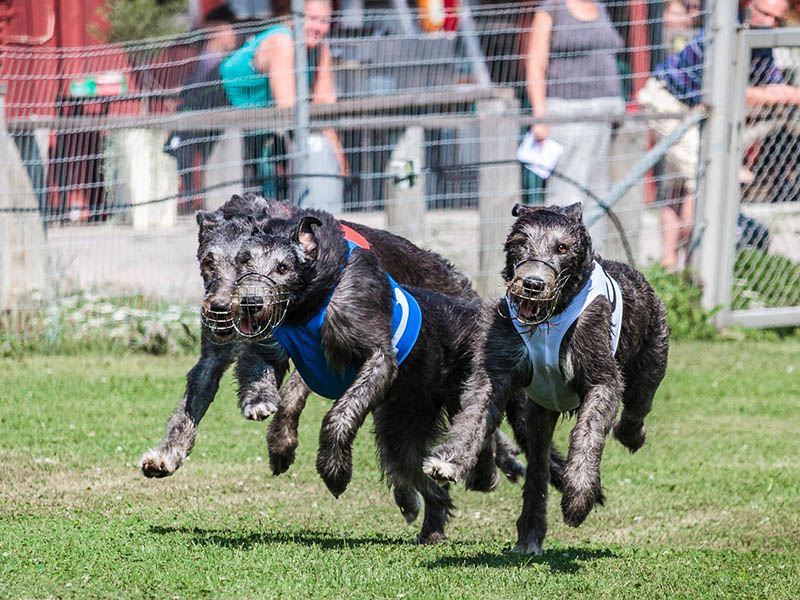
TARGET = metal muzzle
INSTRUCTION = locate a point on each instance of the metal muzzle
(217, 321)
(259, 305)
(535, 302)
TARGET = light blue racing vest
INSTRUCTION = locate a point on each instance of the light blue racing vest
(303, 343)
(548, 386)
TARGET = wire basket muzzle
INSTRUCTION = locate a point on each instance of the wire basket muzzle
(259, 305)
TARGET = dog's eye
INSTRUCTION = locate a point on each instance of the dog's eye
(207, 262)
(281, 269)
(561, 248)
(244, 256)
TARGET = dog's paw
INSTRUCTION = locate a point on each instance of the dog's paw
(484, 480)
(632, 437)
(258, 411)
(279, 462)
(513, 469)
(335, 466)
(156, 464)
(408, 502)
(435, 537)
(579, 497)
(441, 471)
(528, 547)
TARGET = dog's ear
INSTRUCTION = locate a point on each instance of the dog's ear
(305, 235)
(573, 211)
(206, 219)
(520, 209)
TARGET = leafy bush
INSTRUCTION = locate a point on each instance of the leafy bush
(131, 20)
(765, 280)
(686, 316)
(84, 322)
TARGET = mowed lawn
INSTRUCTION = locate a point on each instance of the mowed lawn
(709, 508)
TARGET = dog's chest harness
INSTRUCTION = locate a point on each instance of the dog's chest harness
(303, 343)
(548, 386)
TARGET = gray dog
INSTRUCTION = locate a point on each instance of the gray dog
(261, 366)
(360, 339)
(577, 333)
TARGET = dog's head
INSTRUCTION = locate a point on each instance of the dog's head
(220, 236)
(548, 257)
(273, 270)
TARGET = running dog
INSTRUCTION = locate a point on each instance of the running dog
(577, 333)
(260, 367)
(359, 338)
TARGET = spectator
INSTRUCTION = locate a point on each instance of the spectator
(676, 86)
(202, 91)
(571, 70)
(261, 74)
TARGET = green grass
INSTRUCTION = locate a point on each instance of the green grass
(709, 508)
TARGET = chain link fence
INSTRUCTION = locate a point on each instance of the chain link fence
(414, 123)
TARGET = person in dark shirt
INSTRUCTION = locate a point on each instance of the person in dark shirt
(677, 86)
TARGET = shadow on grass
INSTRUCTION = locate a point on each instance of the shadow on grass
(562, 560)
(225, 538)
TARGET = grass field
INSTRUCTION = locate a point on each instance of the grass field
(709, 508)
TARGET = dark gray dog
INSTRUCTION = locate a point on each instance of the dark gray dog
(333, 311)
(261, 366)
(559, 335)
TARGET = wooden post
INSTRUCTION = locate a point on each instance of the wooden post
(405, 202)
(498, 186)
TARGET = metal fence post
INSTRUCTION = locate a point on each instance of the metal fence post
(498, 185)
(715, 214)
(302, 93)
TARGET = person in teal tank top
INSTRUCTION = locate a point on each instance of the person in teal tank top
(261, 74)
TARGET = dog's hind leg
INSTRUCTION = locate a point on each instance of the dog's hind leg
(644, 376)
(532, 522)
(202, 383)
(282, 432)
(407, 500)
(483, 476)
(259, 370)
(438, 507)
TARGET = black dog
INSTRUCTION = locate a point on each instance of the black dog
(338, 296)
(260, 367)
(554, 277)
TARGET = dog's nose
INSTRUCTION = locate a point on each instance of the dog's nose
(533, 284)
(217, 306)
(252, 304)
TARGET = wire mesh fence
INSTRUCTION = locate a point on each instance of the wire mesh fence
(766, 272)
(415, 121)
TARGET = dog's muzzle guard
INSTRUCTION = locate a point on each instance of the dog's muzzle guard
(261, 305)
(218, 322)
(535, 307)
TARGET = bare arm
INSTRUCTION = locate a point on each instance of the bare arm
(275, 58)
(325, 93)
(776, 93)
(536, 62)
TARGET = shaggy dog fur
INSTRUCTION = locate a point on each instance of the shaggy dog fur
(260, 367)
(307, 258)
(558, 238)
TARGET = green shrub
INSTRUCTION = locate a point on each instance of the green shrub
(686, 316)
(765, 280)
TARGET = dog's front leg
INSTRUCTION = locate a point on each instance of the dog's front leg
(532, 522)
(202, 383)
(481, 413)
(582, 489)
(282, 432)
(341, 423)
(259, 371)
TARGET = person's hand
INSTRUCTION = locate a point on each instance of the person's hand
(541, 131)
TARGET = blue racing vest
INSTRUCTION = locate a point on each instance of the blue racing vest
(303, 343)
